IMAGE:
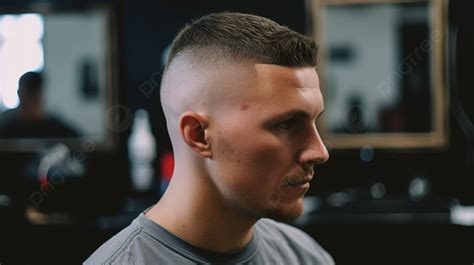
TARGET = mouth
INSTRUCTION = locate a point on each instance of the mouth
(299, 181)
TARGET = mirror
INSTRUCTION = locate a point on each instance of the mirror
(57, 77)
(381, 66)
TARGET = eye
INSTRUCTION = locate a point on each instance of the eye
(287, 124)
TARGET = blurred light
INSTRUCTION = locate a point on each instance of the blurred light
(10, 100)
(23, 57)
(5, 200)
(26, 27)
(367, 153)
(377, 190)
(21, 50)
(31, 26)
(8, 26)
(338, 199)
(419, 187)
(462, 215)
(311, 204)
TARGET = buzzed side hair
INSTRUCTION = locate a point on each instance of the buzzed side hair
(243, 37)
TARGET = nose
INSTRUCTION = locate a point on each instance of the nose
(314, 152)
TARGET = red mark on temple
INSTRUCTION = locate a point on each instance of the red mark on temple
(244, 107)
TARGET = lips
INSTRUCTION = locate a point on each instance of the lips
(299, 181)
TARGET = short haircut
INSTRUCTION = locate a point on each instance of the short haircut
(243, 37)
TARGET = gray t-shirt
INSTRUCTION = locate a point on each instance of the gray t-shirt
(146, 242)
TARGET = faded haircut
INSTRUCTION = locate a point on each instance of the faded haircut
(243, 37)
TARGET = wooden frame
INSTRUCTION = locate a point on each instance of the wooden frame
(438, 137)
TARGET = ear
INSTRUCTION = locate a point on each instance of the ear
(193, 129)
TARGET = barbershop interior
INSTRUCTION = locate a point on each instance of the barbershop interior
(397, 82)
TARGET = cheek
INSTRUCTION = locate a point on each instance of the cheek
(255, 162)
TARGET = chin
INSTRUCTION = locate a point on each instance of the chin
(286, 213)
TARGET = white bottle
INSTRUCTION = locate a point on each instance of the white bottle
(141, 152)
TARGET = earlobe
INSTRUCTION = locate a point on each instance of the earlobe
(193, 129)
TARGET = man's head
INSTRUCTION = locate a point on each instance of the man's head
(30, 85)
(241, 95)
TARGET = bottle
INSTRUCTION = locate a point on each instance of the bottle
(141, 152)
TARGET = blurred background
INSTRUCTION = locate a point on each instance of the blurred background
(84, 147)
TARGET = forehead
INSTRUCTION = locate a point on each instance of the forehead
(278, 88)
(272, 76)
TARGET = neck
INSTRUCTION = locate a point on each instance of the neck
(192, 210)
(32, 111)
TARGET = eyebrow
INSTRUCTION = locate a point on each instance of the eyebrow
(295, 113)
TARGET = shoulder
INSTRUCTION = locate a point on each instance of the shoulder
(139, 243)
(116, 249)
(9, 116)
(298, 241)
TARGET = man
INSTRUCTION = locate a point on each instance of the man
(30, 119)
(241, 96)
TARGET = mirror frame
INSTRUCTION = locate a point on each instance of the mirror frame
(438, 137)
(112, 84)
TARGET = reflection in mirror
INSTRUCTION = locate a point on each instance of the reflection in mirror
(381, 73)
(55, 76)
